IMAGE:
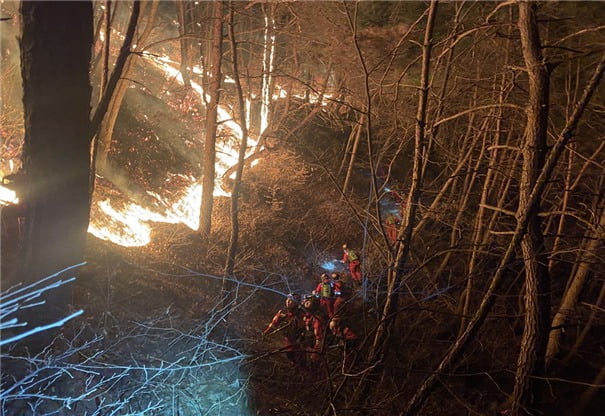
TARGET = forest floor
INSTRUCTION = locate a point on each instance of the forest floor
(153, 310)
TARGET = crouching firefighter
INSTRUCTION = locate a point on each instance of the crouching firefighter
(316, 321)
(290, 321)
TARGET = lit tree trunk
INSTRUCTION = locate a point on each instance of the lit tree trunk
(404, 238)
(209, 156)
(572, 294)
(268, 60)
(480, 235)
(186, 30)
(347, 149)
(530, 363)
(462, 208)
(56, 48)
(108, 109)
(242, 152)
(457, 349)
(564, 203)
(359, 128)
(573, 351)
(440, 101)
(106, 49)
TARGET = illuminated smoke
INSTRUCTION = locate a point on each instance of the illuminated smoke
(129, 226)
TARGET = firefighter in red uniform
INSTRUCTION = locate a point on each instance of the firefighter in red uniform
(391, 223)
(316, 322)
(349, 256)
(294, 329)
(325, 291)
(348, 339)
(341, 293)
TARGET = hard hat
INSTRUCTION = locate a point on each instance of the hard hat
(294, 296)
(334, 324)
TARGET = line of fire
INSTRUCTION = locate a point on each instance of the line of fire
(353, 208)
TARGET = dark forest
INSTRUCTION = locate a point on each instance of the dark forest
(335, 208)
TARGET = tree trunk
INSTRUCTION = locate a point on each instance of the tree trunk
(209, 156)
(106, 49)
(479, 235)
(347, 149)
(564, 203)
(186, 31)
(573, 351)
(530, 363)
(359, 128)
(55, 48)
(108, 109)
(266, 86)
(242, 153)
(404, 238)
(572, 294)
(456, 350)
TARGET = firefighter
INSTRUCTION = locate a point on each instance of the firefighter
(348, 339)
(316, 323)
(325, 291)
(349, 256)
(341, 293)
(391, 222)
(293, 329)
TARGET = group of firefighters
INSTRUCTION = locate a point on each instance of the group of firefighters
(309, 323)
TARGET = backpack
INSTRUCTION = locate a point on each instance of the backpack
(352, 256)
(327, 290)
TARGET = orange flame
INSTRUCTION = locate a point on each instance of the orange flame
(129, 226)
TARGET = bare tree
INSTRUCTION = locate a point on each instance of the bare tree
(530, 364)
(242, 149)
(214, 90)
(457, 349)
(404, 238)
(106, 113)
(574, 288)
(55, 52)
